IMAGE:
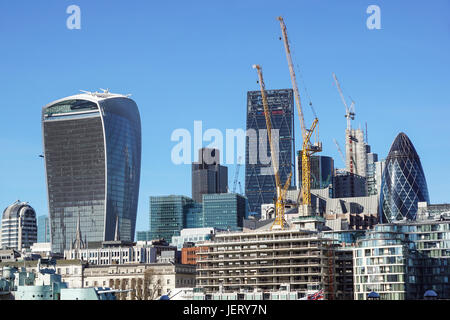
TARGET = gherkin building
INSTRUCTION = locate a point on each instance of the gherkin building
(403, 184)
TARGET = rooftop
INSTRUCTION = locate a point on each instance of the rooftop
(89, 96)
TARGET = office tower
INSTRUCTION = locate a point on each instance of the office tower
(372, 159)
(194, 216)
(347, 185)
(322, 170)
(208, 176)
(19, 228)
(143, 235)
(356, 152)
(43, 229)
(224, 211)
(92, 150)
(404, 183)
(379, 169)
(168, 216)
(259, 176)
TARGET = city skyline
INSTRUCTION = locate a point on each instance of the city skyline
(398, 72)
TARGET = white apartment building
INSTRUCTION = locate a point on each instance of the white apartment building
(19, 227)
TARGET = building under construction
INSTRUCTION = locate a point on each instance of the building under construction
(264, 260)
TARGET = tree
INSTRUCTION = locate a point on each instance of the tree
(152, 284)
(133, 288)
(139, 293)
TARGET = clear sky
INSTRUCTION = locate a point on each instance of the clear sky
(192, 60)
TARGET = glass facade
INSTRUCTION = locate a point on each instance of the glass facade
(224, 211)
(123, 145)
(403, 260)
(386, 262)
(92, 148)
(43, 229)
(322, 171)
(403, 184)
(194, 216)
(143, 235)
(259, 179)
(168, 216)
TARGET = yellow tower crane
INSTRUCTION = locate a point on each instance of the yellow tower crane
(279, 222)
(308, 148)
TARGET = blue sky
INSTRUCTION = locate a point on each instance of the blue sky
(191, 60)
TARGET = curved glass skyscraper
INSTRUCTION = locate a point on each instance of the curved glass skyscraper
(92, 149)
(403, 184)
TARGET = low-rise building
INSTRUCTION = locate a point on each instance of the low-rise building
(9, 255)
(190, 253)
(192, 235)
(264, 260)
(121, 253)
(43, 249)
(140, 281)
(145, 281)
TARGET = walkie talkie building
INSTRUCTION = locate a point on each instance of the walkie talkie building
(92, 151)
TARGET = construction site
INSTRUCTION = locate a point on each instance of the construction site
(264, 260)
(289, 249)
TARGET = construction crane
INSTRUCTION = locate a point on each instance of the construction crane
(236, 175)
(279, 222)
(339, 149)
(352, 160)
(308, 149)
(350, 115)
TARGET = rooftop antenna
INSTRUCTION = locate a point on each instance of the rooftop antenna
(105, 90)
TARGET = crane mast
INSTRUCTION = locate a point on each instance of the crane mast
(308, 149)
(350, 115)
(339, 149)
(281, 191)
(293, 78)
